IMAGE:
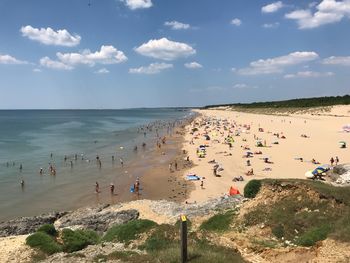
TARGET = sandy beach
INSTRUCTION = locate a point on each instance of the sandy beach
(323, 132)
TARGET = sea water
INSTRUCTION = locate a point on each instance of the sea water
(29, 138)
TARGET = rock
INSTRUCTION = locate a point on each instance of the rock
(98, 218)
(174, 210)
(27, 225)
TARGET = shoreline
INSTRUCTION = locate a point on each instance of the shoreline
(145, 163)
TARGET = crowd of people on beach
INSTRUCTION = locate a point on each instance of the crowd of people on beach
(208, 131)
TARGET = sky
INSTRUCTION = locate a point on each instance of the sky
(111, 54)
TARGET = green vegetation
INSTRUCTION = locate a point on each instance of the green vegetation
(162, 244)
(304, 219)
(129, 231)
(78, 240)
(48, 229)
(294, 103)
(252, 188)
(44, 242)
(310, 237)
(162, 237)
(219, 222)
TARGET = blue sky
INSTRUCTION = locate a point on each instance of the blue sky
(154, 53)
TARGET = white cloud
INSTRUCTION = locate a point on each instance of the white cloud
(175, 25)
(193, 65)
(277, 64)
(7, 59)
(153, 68)
(327, 12)
(54, 64)
(273, 7)
(106, 55)
(243, 86)
(342, 61)
(37, 70)
(102, 71)
(165, 49)
(138, 4)
(308, 74)
(48, 36)
(236, 22)
(271, 25)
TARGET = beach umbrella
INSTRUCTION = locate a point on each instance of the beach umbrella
(342, 142)
(325, 166)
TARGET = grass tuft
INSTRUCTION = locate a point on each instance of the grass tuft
(44, 242)
(129, 231)
(219, 222)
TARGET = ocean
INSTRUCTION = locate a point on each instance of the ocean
(34, 139)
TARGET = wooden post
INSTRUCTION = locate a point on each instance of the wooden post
(183, 239)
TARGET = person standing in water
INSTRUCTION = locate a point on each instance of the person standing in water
(111, 187)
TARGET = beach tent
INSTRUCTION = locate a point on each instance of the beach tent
(319, 170)
(342, 144)
(234, 191)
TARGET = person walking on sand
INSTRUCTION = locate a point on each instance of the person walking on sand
(175, 165)
(97, 188)
(170, 167)
(332, 161)
(336, 160)
(202, 184)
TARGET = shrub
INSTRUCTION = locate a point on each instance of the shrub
(164, 236)
(310, 237)
(44, 242)
(278, 231)
(78, 240)
(48, 229)
(252, 188)
(129, 231)
(218, 223)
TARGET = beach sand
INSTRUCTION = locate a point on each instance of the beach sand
(322, 128)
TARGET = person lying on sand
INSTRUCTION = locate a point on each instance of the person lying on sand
(314, 161)
(238, 179)
(250, 172)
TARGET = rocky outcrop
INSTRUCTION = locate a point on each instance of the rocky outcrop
(27, 225)
(172, 209)
(98, 218)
